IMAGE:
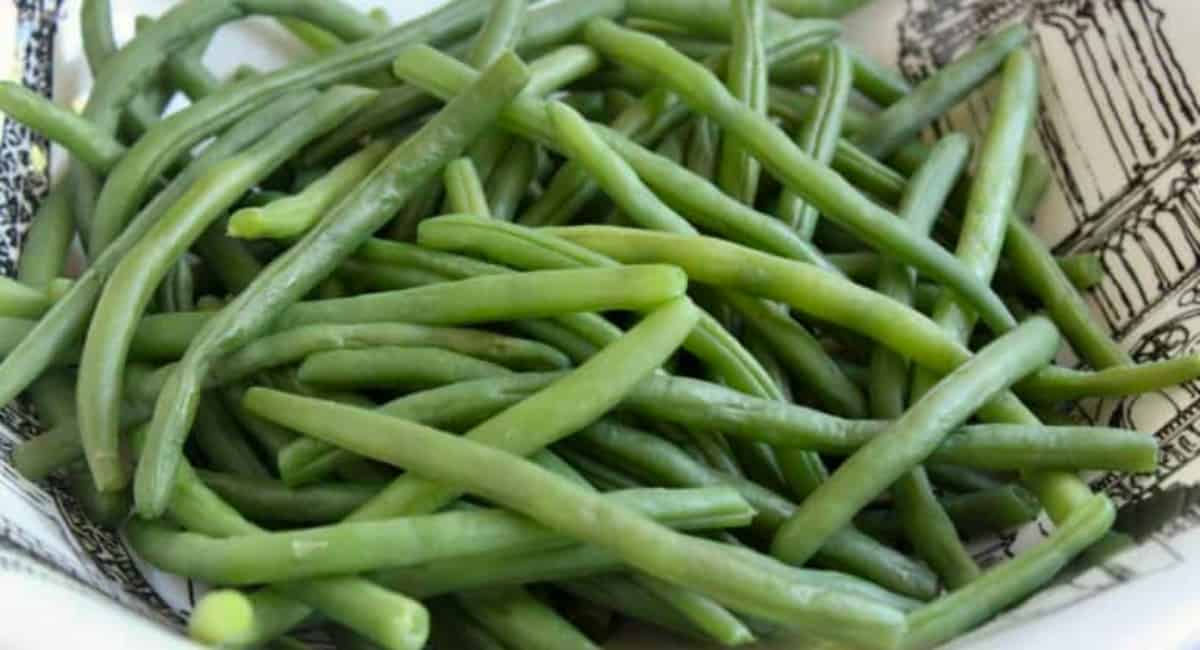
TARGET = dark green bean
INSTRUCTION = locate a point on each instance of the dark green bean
(509, 183)
(268, 500)
(89, 144)
(220, 440)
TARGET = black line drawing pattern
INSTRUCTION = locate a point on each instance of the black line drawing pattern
(1120, 125)
(112, 570)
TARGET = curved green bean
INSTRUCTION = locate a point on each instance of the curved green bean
(1060, 384)
(264, 499)
(509, 296)
(746, 79)
(464, 191)
(820, 132)
(44, 249)
(133, 280)
(393, 367)
(822, 188)
(91, 145)
(306, 263)
(292, 215)
(912, 437)
(930, 99)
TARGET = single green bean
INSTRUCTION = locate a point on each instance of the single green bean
(509, 296)
(738, 579)
(464, 191)
(99, 43)
(291, 216)
(825, 190)
(299, 269)
(819, 135)
(508, 184)
(900, 122)
(746, 79)
(264, 499)
(499, 32)
(1060, 384)
(393, 367)
(44, 249)
(129, 288)
(91, 145)
(912, 438)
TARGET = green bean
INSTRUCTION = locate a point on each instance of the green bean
(44, 249)
(305, 264)
(99, 43)
(714, 621)
(911, 438)
(1058, 384)
(824, 189)
(366, 277)
(400, 542)
(728, 575)
(221, 442)
(1084, 270)
(64, 323)
(509, 296)
(549, 72)
(822, 8)
(611, 173)
(819, 135)
(1010, 581)
(229, 259)
(900, 122)
(464, 191)
(18, 300)
(1036, 268)
(562, 407)
(746, 78)
(453, 629)
(264, 499)
(291, 216)
(91, 145)
(519, 620)
(925, 522)
(508, 185)
(499, 32)
(961, 479)
(393, 367)
(671, 146)
(598, 474)
(987, 511)
(712, 209)
(701, 156)
(128, 290)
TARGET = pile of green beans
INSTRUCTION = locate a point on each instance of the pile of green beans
(695, 322)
